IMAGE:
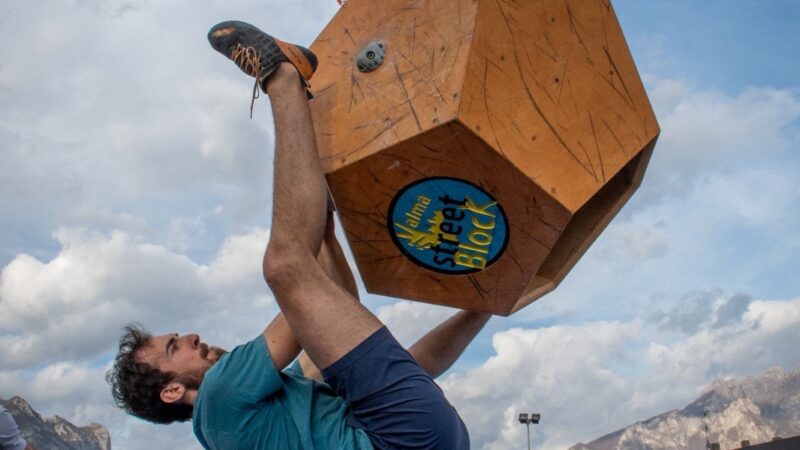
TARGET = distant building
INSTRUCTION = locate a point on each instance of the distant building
(792, 443)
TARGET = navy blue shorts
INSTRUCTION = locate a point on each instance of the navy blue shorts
(393, 399)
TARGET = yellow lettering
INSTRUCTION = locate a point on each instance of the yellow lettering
(484, 226)
(424, 200)
(473, 249)
(418, 209)
(478, 209)
(479, 237)
(469, 260)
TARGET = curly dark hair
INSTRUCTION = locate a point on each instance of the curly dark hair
(137, 386)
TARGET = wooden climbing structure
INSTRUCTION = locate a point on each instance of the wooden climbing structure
(476, 148)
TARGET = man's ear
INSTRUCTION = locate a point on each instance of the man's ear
(173, 392)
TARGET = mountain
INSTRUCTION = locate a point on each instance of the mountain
(756, 409)
(55, 433)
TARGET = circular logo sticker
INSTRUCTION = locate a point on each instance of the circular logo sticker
(448, 225)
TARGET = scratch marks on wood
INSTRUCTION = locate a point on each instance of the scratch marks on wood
(409, 100)
(458, 52)
(408, 164)
(413, 35)
(385, 258)
(629, 100)
(552, 53)
(455, 133)
(370, 217)
(627, 97)
(589, 170)
(356, 240)
(323, 90)
(573, 27)
(564, 76)
(486, 104)
(478, 288)
(597, 148)
(389, 125)
(354, 86)
(350, 36)
(410, 7)
(616, 139)
(535, 77)
(435, 280)
(593, 172)
(511, 254)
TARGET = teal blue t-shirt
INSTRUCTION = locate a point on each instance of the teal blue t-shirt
(244, 402)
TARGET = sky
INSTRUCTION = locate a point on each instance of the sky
(133, 187)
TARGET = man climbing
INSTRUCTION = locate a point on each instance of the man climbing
(375, 393)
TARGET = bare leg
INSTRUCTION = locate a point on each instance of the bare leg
(332, 259)
(327, 321)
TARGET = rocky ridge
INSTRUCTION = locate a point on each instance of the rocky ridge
(756, 409)
(55, 433)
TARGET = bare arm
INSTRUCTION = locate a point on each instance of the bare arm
(440, 348)
(282, 345)
(331, 258)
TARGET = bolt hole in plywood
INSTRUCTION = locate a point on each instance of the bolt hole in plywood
(493, 144)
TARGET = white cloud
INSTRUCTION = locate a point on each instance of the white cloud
(123, 108)
(129, 136)
(73, 306)
(58, 316)
(591, 379)
(704, 132)
(237, 266)
(408, 321)
(640, 241)
(564, 372)
(759, 197)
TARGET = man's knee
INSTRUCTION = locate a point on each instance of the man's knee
(283, 266)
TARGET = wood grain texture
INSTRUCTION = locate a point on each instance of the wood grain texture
(537, 102)
(364, 190)
(552, 86)
(417, 88)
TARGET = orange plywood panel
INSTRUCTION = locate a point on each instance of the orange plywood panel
(489, 147)
(417, 88)
(553, 87)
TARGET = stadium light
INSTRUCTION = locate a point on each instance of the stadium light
(527, 419)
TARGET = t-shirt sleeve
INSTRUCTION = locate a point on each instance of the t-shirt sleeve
(246, 375)
(9, 433)
(295, 368)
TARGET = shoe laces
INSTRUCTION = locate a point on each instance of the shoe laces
(247, 59)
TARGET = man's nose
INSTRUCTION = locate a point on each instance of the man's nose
(192, 339)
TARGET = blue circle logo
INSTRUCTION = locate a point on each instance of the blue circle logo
(448, 225)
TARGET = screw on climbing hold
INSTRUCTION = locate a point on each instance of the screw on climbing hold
(371, 57)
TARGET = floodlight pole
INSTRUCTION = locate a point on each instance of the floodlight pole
(528, 426)
(528, 420)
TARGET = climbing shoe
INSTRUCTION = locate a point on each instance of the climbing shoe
(259, 54)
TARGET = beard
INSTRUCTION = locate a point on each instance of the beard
(211, 354)
(194, 378)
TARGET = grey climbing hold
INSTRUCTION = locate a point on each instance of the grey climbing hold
(371, 57)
